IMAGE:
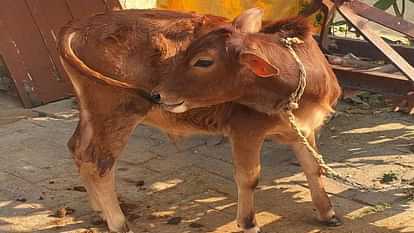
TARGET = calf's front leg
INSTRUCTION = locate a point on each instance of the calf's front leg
(313, 174)
(246, 158)
(102, 194)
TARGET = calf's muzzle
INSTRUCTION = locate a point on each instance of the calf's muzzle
(155, 97)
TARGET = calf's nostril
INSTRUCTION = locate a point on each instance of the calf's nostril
(156, 97)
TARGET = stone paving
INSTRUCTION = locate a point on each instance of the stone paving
(188, 187)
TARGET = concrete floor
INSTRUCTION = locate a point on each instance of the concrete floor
(159, 182)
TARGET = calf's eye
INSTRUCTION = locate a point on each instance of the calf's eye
(203, 62)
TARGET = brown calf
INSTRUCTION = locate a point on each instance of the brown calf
(209, 76)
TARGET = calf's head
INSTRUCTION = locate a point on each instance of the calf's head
(226, 64)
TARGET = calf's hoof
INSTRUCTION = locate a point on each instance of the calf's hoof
(124, 229)
(253, 230)
(333, 222)
(129, 231)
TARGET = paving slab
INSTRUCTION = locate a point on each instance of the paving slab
(190, 181)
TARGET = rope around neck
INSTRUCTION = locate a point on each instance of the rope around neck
(294, 104)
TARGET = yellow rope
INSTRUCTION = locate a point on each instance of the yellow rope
(294, 104)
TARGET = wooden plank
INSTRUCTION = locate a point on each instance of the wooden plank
(362, 25)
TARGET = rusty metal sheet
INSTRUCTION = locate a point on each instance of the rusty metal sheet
(328, 8)
(388, 84)
(43, 11)
(361, 24)
(364, 49)
(112, 5)
(28, 42)
(313, 8)
(82, 8)
(15, 65)
(383, 18)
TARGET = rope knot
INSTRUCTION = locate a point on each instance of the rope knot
(289, 41)
(293, 106)
(296, 95)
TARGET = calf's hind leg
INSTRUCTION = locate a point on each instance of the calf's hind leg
(96, 144)
(313, 174)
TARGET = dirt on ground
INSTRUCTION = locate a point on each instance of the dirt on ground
(188, 187)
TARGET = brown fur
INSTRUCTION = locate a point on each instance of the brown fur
(297, 26)
(114, 59)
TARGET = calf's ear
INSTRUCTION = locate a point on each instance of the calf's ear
(258, 65)
(249, 21)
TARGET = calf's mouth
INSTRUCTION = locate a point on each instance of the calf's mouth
(175, 107)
